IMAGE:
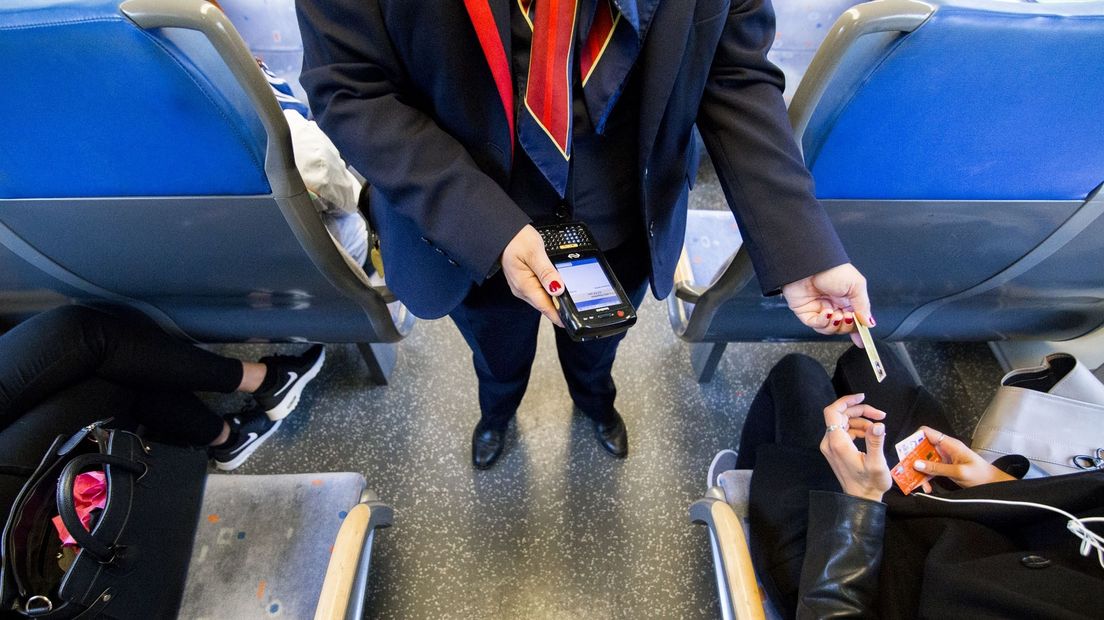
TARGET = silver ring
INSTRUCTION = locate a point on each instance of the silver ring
(940, 440)
(834, 427)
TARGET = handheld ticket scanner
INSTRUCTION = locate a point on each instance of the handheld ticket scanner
(593, 305)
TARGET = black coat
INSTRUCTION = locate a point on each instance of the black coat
(405, 89)
(916, 557)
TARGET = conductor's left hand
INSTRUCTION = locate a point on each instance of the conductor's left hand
(831, 301)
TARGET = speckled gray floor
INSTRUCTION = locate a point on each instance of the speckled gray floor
(558, 529)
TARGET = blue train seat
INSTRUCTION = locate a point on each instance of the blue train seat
(956, 147)
(146, 163)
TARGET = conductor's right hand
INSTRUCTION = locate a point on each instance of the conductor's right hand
(530, 274)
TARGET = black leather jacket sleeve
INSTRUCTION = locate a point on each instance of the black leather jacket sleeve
(843, 556)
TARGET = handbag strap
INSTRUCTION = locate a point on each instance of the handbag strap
(103, 553)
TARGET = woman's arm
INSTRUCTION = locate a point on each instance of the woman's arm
(843, 556)
(843, 549)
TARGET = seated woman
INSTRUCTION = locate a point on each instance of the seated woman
(831, 538)
(72, 366)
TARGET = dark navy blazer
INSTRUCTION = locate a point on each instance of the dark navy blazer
(406, 90)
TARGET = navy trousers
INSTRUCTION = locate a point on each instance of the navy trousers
(502, 333)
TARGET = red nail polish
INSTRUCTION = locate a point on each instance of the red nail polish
(849, 321)
(872, 321)
(554, 286)
(835, 322)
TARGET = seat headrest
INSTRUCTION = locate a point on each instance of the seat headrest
(98, 107)
(977, 103)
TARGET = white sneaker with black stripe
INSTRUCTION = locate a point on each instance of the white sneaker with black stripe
(292, 374)
(248, 430)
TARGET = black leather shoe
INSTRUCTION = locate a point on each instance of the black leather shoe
(487, 445)
(613, 436)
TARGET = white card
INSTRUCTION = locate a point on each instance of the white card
(871, 352)
(908, 444)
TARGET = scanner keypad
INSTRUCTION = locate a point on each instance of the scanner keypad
(566, 236)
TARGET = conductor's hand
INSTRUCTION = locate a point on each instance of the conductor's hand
(961, 464)
(531, 276)
(861, 475)
(828, 301)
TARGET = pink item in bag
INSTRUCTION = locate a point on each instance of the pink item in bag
(89, 493)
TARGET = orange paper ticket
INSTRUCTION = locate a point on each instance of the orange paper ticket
(908, 478)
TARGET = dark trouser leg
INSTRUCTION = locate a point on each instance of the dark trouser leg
(780, 440)
(587, 369)
(907, 404)
(587, 366)
(179, 416)
(501, 331)
(176, 417)
(25, 440)
(788, 409)
(56, 349)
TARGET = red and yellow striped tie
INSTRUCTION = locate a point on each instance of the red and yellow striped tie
(544, 128)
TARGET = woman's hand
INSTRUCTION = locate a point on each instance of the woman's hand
(831, 301)
(860, 475)
(961, 464)
(531, 276)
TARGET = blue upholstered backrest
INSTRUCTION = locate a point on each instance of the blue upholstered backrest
(976, 103)
(135, 118)
(132, 171)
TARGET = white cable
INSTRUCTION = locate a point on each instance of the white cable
(1089, 540)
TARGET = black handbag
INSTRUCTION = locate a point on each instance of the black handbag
(134, 561)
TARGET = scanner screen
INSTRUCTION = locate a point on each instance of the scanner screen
(587, 283)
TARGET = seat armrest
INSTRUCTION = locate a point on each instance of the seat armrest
(868, 18)
(739, 575)
(733, 277)
(684, 280)
(343, 590)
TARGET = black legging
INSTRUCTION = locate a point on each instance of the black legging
(781, 439)
(71, 366)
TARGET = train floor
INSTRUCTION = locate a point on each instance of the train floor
(558, 528)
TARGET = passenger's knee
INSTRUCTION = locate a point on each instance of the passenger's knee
(69, 317)
(795, 365)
